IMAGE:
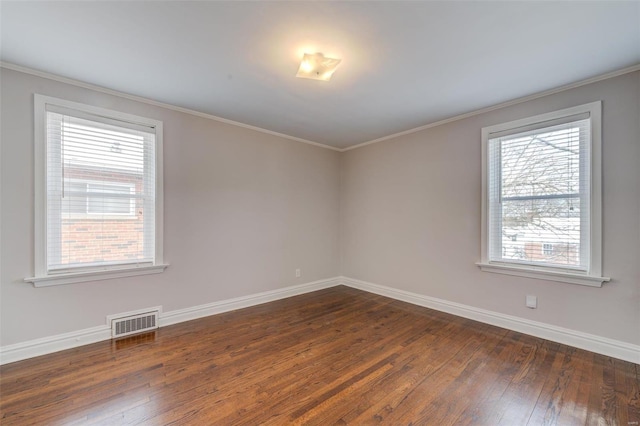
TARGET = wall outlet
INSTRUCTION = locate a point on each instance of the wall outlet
(531, 302)
(298, 273)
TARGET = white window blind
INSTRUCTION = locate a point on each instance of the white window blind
(539, 195)
(100, 192)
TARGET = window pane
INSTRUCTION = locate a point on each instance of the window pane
(74, 198)
(541, 164)
(98, 205)
(546, 231)
(99, 202)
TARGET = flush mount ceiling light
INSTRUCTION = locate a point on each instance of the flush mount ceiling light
(316, 67)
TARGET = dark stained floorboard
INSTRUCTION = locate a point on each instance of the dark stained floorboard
(335, 356)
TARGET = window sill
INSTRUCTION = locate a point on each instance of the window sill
(565, 277)
(78, 277)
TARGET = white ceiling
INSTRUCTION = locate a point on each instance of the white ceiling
(404, 64)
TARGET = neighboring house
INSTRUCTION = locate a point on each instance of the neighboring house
(554, 241)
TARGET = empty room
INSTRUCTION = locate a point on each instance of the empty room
(328, 212)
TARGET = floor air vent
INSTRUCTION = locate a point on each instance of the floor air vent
(132, 324)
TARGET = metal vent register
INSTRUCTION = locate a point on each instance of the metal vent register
(133, 324)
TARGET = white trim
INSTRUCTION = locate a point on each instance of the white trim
(159, 196)
(78, 83)
(594, 109)
(501, 105)
(595, 196)
(47, 345)
(59, 342)
(549, 275)
(43, 100)
(602, 345)
(39, 186)
(147, 101)
(590, 342)
(79, 277)
(214, 308)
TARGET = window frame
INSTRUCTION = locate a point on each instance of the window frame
(42, 277)
(592, 276)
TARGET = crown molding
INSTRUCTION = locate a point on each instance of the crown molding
(141, 99)
(148, 101)
(516, 101)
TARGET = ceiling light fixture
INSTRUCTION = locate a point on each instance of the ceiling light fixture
(316, 67)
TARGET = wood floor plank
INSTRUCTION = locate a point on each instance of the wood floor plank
(572, 408)
(550, 402)
(503, 363)
(627, 392)
(335, 356)
(436, 398)
(410, 368)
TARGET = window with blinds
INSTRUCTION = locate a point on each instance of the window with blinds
(98, 189)
(538, 184)
(541, 210)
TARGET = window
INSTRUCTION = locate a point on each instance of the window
(98, 193)
(542, 183)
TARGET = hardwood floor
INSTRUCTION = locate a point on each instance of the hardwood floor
(336, 356)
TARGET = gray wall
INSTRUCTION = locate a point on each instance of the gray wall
(242, 211)
(410, 217)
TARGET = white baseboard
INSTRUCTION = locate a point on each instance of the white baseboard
(590, 342)
(59, 342)
(578, 339)
(195, 312)
(47, 345)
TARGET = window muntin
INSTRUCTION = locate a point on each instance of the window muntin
(110, 199)
(83, 198)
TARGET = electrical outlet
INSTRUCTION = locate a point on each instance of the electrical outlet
(298, 273)
(531, 302)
